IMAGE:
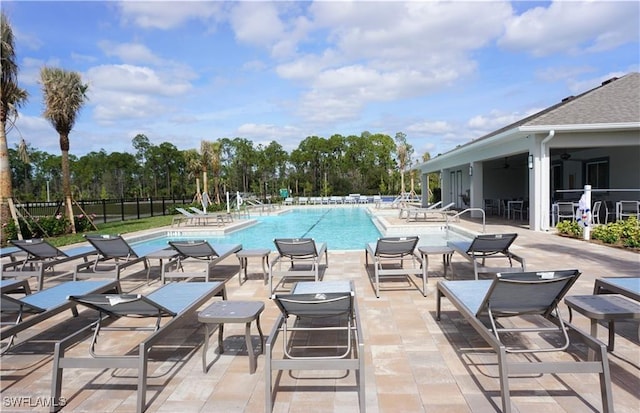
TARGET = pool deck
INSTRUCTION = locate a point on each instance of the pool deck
(413, 362)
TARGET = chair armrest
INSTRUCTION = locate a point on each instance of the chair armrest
(274, 261)
(80, 267)
(323, 251)
(519, 259)
(273, 335)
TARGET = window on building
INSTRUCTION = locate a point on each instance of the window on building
(597, 173)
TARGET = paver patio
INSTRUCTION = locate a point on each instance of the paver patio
(413, 362)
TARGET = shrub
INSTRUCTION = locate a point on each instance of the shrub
(84, 222)
(626, 232)
(10, 229)
(50, 225)
(605, 234)
(571, 228)
(37, 227)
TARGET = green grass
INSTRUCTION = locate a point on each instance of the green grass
(121, 227)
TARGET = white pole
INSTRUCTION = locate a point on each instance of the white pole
(586, 233)
(48, 198)
(228, 206)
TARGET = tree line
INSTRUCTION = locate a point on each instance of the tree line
(367, 164)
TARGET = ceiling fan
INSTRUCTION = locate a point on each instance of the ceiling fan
(506, 164)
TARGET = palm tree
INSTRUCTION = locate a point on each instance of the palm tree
(193, 168)
(11, 98)
(402, 152)
(215, 150)
(64, 95)
(205, 153)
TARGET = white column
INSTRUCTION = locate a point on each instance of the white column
(586, 233)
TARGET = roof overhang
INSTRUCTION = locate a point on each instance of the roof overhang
(588, 127)
(468, 152)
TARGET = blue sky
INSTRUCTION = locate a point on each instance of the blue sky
(443, 73)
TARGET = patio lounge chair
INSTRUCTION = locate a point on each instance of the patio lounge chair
(176, 301)
(388, 256)
(114, 254)
(220, 217)
(200, 251)
(490, 246)
(11, 252)
(185, 216)
(42, 256)
(627, 286)
(304, 256)
(46, 303)
(404, 208)
(14, 286)
(533, 295)
(319, 326)
(431, 212)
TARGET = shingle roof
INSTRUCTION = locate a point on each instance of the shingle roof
(616, 101)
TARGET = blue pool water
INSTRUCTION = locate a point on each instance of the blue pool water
(340, 228)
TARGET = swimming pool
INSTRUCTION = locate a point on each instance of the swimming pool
(340, 228)
(347, 229)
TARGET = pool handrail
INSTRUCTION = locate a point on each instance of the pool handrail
(464, 212)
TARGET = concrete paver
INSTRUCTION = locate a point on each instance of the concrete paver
(413, 363)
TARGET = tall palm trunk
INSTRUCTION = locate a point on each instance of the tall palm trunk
(205, 188)
(11, 98)
(66, 180)
(6, 189)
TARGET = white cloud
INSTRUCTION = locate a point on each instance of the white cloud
(305, 68)
(129, 52)
(573, 26)
(430, 128)
(126, 91)
(38, 126)
(254, 66)
(495, 119)
(381, 51)
(166, 15)
(409, 31)
(288, 136)
(275, 26)
(78, 57)
(30, 71)
(31, 41)
(320, 108)
(257, 23)
(136, 79)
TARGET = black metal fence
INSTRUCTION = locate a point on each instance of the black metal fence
(107, 210)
